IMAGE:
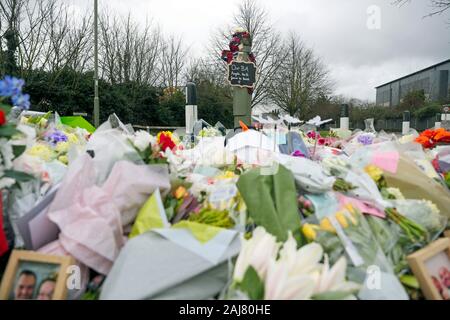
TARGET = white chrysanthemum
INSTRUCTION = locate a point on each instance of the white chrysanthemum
(142, 140)
(396, 193)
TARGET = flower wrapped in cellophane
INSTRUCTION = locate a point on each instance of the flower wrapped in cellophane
(271, 270)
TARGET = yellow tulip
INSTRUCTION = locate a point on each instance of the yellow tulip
(326, 225)
(309, 230)
(340, 216)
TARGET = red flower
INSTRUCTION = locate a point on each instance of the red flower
(428, 133)
(166, 142)
(2, 117)
(425, 141)
(321, 141)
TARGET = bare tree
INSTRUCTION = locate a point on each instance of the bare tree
(300, 80)
(173, 62)
(128, 52)
(10, 11)
(438, 6)
(266, 44)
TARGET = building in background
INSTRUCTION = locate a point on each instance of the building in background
(434, 81)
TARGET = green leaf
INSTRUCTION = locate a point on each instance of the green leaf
(252, 284)
(271, 199)
(331, 295)
(18, 176)
(5, 107)
(8, 130)
(18, 150)
(410, 281)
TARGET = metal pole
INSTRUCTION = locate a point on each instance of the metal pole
(96, 100)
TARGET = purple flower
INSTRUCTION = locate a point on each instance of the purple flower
(55, 137)
(298, 153)
(21, 100)
(365, 139)
(11, 86)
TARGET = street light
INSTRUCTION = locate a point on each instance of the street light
(96, 100)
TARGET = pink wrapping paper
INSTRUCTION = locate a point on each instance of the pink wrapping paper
(361, 206)
(386, 160)
(91, 218)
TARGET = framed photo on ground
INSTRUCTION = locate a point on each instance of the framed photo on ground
(31, 275)
(431, 266)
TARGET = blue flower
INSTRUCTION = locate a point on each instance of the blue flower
(365, 139)
(11, 86)
(55, 137)
(21, 100)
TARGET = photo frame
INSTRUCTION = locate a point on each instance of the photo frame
(431, 266)
(31, 275)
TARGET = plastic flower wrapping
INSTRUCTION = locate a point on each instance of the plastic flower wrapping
(274, 213)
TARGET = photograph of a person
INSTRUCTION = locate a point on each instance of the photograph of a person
(35, 276)
(35, 281)
(439, 270)
(431, 266)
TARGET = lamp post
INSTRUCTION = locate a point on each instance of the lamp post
(96, 100)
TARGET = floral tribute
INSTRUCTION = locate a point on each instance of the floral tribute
(430, 138)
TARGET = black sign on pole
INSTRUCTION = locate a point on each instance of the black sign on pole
(406, 116)
(344, 111)
(191, 94)
(242, 74)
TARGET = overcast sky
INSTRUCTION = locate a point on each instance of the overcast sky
(359, 58)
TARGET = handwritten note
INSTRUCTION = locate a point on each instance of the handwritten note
(242, 74)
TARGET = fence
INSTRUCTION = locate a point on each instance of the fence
(395, 125)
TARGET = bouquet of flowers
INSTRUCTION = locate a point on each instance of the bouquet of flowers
(270, 270)
(430, 138)
(153, 149)
(10, 93)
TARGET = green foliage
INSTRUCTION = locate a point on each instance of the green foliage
(412, 100)
(252, 284)
(215, 104)
(68, 91)
(428, 111)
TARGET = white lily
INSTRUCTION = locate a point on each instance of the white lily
(333, 279)
(280, 285)
(291, 277)
(302, 261)
(256, 252)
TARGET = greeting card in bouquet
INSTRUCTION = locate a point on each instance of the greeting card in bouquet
(35, 227)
